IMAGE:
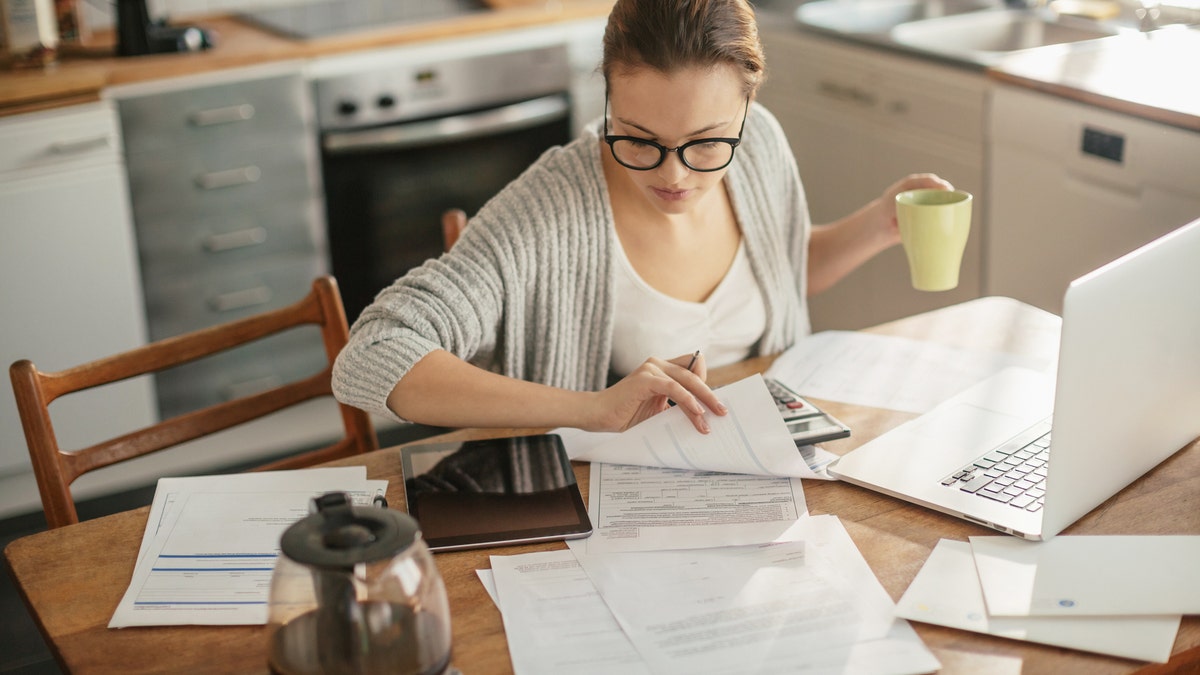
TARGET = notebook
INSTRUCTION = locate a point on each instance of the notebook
(1125, 398)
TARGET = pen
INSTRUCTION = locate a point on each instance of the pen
(691, 363)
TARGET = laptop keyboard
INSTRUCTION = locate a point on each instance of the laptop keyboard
(1013, 474)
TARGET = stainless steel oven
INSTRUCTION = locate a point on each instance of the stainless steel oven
(400, 145)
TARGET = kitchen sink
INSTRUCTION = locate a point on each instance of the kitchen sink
(970, 31)
(879, 16)
(980, 34)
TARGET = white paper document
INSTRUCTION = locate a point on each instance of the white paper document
(555, 621)
(751, 438)
(1089, 575)
(169, 491)
(580, 443)
(212, 541)
(797, 606)
(946, 592)
(888, 372)
(640, 508)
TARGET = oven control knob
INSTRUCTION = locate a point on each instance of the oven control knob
(386, 101)
(347, 108)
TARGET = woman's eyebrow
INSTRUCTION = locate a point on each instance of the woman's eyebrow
(651, 134)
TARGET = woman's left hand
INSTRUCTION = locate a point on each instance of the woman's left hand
(887, 202)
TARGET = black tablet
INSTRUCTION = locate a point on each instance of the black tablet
(493, 492)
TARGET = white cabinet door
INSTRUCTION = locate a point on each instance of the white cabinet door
(1074, 187)
(69, 279)
(858, 119)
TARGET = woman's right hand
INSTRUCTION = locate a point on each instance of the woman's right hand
(646, 391)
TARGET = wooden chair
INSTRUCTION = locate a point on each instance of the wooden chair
(453, 223)
(56, 469)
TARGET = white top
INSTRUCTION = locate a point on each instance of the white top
(725, 327)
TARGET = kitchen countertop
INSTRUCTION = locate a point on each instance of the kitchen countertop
(1141, 74)
(82, 72)
(1148, 75)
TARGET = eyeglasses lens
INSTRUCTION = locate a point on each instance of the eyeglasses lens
(700, 156)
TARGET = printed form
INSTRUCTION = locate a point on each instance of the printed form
(751, 438)
(554, 619)
(805, 606)
(663, 485)
(639, 508)
(212, 541)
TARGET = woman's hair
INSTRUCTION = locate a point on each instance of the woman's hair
(670, 35)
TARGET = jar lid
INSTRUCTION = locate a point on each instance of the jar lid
(340, 535)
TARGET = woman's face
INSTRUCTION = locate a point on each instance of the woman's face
(672, 109)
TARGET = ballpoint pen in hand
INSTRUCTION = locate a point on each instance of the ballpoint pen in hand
(695, 355)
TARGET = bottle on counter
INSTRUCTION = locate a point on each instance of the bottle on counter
(30, 29)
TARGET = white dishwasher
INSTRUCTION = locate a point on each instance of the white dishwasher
(1073, 187)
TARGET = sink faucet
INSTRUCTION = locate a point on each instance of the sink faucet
(1147, 12)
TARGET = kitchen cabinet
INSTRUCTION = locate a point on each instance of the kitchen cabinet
(228, 215)
(585, 50)
(858, 118)
(69, 271)
(1074, 186)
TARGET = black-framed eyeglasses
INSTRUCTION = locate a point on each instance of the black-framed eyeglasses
(702, 154)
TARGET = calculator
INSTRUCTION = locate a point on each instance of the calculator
(807, 423)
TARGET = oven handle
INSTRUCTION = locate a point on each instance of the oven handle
(497, 120)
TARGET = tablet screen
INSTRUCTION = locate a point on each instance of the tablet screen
(493, 492)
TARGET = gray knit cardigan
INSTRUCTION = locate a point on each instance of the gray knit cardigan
(528, 289)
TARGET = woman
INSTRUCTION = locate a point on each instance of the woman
(676, 223)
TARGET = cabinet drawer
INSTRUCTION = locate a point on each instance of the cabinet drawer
(74, 137)
(184, 304)
(249, 369)
(219, 181)
(189, 244)
(872, 86)
(254, 112)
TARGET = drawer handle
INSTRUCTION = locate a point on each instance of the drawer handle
(848, 93)
(227, 115)
(80, 146)
(250, 297)
(226, 241)
(216, 180)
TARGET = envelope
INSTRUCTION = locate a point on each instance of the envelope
(946, 592)
(1089, 575)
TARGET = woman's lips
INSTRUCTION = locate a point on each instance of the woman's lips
(671, 195)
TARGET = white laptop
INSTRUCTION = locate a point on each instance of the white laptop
(1126, 397)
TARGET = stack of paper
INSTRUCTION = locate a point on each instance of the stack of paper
(211, 543)
(883, 371)
(703, 560)
(1117, 595)
(811, 605)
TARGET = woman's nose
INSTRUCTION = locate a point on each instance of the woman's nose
(672, 170)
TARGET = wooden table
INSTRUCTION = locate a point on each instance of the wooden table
(72, 578)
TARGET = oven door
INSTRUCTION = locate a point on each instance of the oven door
(386, 187)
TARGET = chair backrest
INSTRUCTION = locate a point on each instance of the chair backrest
(55, 469)
(453, 223)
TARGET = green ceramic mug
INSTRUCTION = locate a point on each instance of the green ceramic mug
(934, 225)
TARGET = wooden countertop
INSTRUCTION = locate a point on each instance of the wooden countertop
(1151, 76)
(82, 72)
